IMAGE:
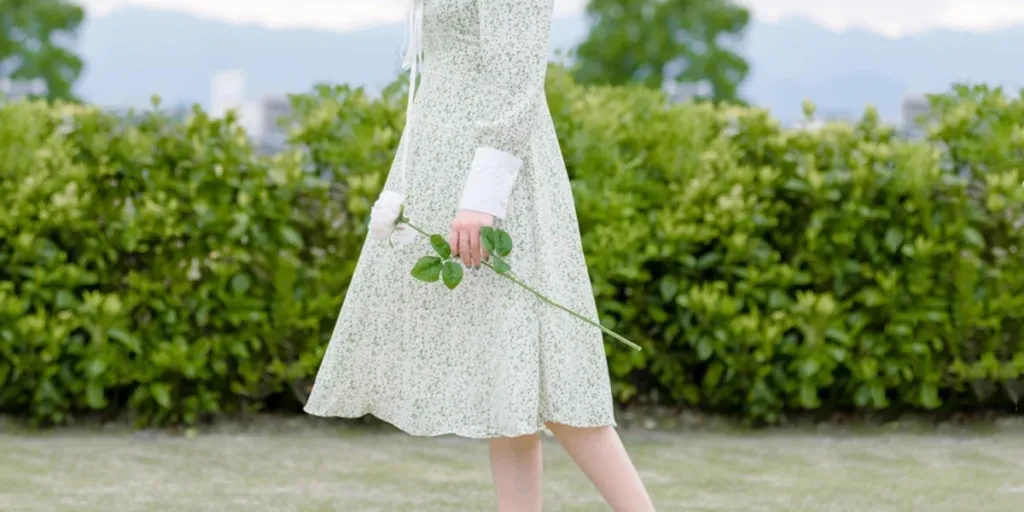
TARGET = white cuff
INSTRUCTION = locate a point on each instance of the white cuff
(491, 179)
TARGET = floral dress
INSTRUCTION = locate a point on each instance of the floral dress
(487, 359)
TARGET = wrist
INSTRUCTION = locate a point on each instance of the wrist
(475, 215)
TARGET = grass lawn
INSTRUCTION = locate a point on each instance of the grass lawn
(304, 466)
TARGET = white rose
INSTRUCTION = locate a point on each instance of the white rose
(385, 214)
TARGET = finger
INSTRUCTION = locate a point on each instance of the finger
(453, 241)
(474, 248)
(464, 248)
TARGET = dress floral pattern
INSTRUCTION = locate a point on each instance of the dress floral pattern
(487, 359)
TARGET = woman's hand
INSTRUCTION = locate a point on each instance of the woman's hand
(464, 237)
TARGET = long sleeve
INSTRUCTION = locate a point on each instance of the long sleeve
(514, 38)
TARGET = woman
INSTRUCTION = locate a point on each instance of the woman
(487, 360)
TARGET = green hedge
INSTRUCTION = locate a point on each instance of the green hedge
(163, 272)
(168, 274)
(775, 270)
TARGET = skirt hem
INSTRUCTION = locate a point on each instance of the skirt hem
(469, 432)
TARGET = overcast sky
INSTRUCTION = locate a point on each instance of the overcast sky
(892, 17)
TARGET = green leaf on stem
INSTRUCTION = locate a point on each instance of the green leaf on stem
(441, 246)
(427, 269)
(503, 245)
(489, 238)
(499, 264)
(451, 273)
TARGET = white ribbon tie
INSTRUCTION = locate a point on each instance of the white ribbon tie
(411, 61)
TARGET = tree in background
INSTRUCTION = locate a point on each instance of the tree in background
(33, 39)
(666, 44)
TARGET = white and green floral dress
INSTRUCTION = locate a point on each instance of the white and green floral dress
(487, 359)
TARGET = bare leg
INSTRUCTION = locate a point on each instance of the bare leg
(516, 465)
(602, 457)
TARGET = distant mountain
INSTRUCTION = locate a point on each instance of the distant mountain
(796, 59)
(136, 52)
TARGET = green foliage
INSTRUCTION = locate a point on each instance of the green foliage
(166, 273)
(428, 269)
(441, 246)
(774, 270)
(451, 273)
(656, 43)
(161, 271)
(496, 241)
(32, 37)
(431, 268)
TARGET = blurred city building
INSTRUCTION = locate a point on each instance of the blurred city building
(915, 110)
(259, 117)
(13, 90)
(678, 92)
